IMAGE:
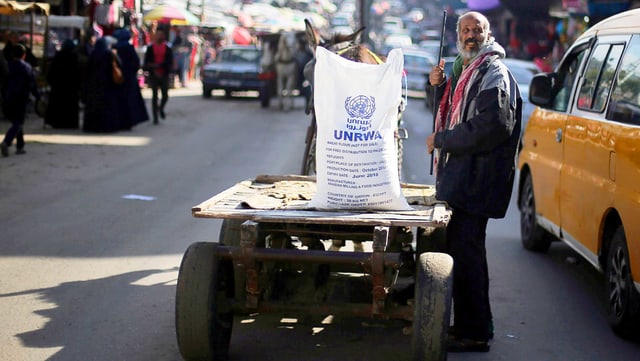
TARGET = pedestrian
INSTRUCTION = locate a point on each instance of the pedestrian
(4, 72)
(63, 110)
(158, 62)
(182, 49)
(100, 93)
(133, 110)
(21, 83)
(303, 55)
(477, 133)
(13, 39)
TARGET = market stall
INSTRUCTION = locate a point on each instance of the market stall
(13, 15)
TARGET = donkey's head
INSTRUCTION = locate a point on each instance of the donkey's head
(346, 45)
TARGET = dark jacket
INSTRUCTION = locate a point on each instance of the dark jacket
(166, 65)
(20, 82)
(478, 156)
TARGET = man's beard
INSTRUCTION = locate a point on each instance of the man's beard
(470, 54)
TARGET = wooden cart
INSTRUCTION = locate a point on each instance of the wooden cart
(275, 254)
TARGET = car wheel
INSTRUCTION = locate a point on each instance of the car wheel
(623, 299)
(265, 98)
(534, 237)
(206, 92)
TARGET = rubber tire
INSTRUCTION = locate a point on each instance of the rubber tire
(206, 93)
(622, 296)
(230, 232)
(432, 310)
(534, 238)
(265, 98)
(431, 239)
(204, 319)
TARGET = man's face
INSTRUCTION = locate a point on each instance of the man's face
(471, 36)
(160, 36)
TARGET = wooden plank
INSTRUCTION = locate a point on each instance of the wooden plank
(285, 198)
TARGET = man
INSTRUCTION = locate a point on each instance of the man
(158, 61)
(476, 139)
(13, 39)
(20, 83)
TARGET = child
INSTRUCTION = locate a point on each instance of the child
(20, 83)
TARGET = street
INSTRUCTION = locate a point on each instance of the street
(94, 228)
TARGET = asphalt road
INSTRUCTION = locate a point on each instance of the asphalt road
(93, 228)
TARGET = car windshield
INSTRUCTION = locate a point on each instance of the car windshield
(240, 55)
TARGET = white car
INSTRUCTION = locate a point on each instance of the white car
(417, 65)
(523, 71)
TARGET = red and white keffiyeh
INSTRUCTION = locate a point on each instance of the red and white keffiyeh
(452, 108)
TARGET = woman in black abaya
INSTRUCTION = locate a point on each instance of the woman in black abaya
(101, 111)
(132, 106)
(64, 79)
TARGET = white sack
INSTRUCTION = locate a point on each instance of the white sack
(356, 107)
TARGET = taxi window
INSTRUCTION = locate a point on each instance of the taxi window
(598, 77)
(625, 98)
(565, 79)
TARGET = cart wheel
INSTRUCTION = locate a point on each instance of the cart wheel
(204, 318)
(230, 232)
(431, 239)
(432, 311)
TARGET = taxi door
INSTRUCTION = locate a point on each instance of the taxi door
(543, 142)
(586, 186)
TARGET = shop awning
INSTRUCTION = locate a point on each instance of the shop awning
(16, 7)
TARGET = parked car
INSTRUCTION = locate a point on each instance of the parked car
(392, 24)
(431, 46)
(417, 65)
(523, 71)
(579, 163)
(237, 68)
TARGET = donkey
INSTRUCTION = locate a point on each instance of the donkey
(286, 70)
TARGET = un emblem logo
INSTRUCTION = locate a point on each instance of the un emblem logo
(360, 106)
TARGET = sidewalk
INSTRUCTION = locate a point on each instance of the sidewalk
(36, 131)
(61, 157)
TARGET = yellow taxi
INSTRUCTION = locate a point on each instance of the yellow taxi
(579, 167)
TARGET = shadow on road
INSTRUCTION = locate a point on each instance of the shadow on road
(88, 320)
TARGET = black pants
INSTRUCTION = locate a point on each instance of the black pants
(158, 83)
(466, 234)
(15, 111)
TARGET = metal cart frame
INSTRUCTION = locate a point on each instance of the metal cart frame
(272, 257)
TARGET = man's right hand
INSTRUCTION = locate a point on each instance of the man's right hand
(431, 143)
(437, 76)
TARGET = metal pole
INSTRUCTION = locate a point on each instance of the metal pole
(364, 20)
(434, 106)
